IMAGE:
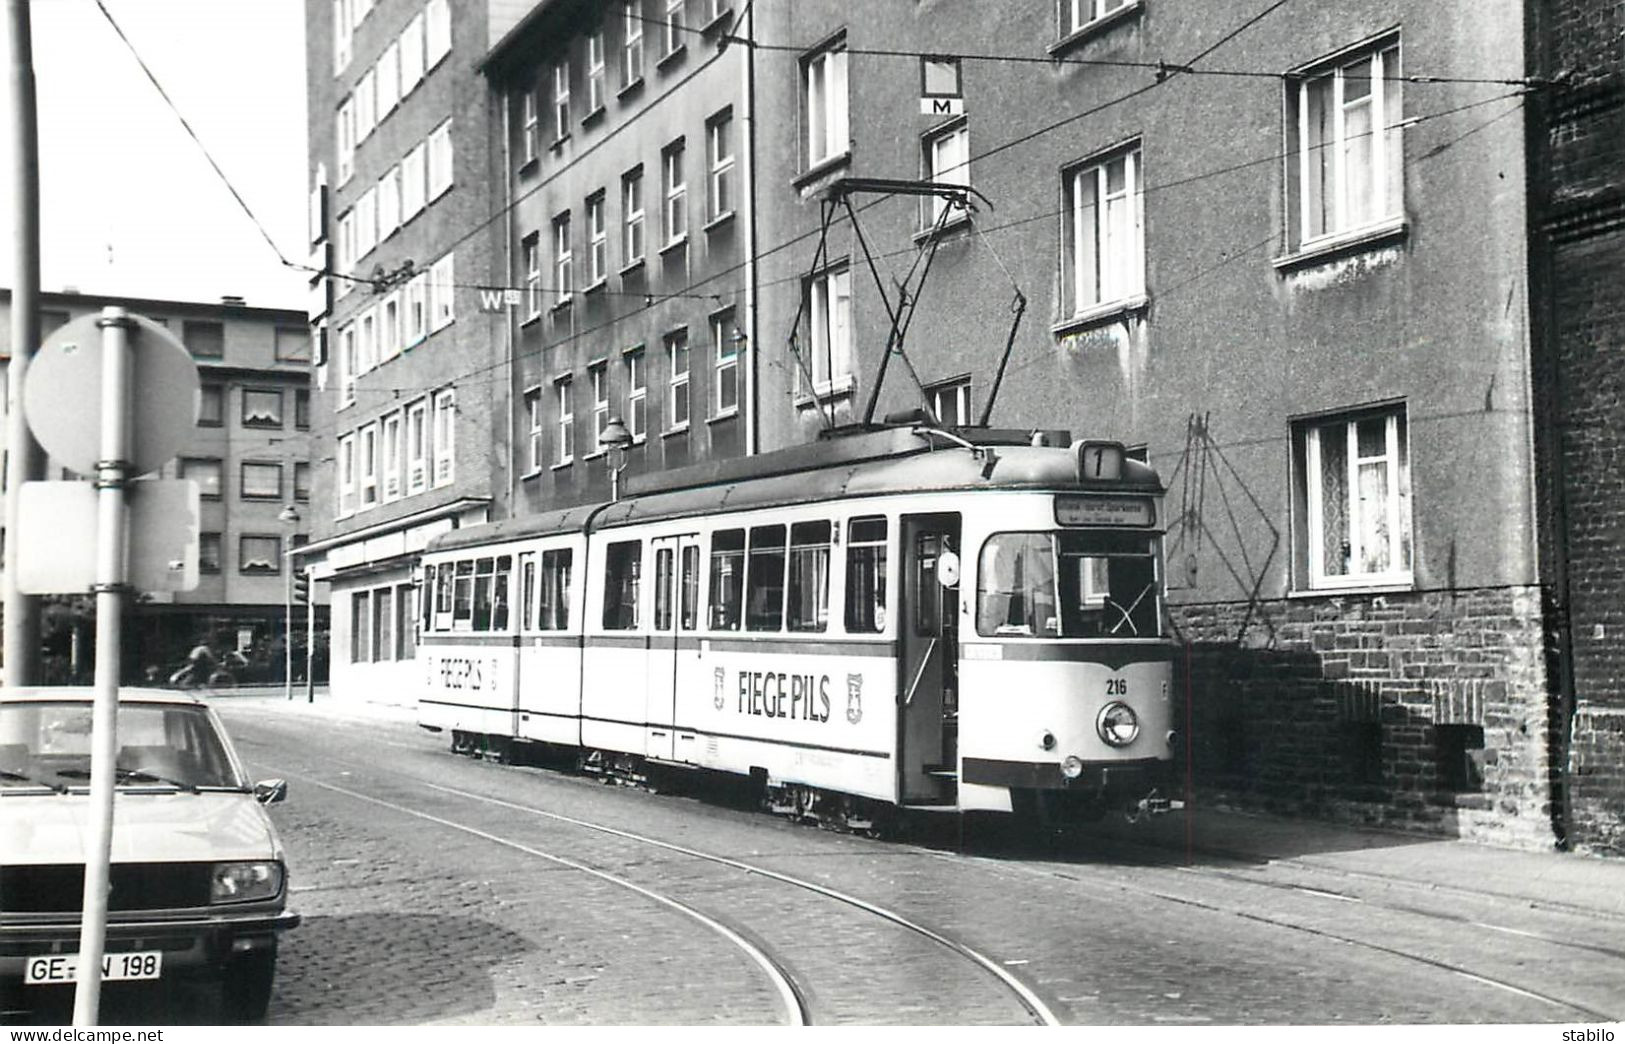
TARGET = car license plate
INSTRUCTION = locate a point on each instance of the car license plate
(116, 967)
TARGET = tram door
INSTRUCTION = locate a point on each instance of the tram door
(673, 656)
(928, 688)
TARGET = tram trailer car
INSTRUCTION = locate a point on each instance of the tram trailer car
(907, 617)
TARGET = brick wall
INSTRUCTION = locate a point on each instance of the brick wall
(1337, 712)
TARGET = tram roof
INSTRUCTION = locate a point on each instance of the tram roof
(873, 463)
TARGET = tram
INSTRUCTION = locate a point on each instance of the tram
(908, 616)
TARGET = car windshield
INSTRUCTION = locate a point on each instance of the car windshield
(49, 743)
(1069, 584)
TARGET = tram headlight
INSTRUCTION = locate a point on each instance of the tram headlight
(1117, 724)
(1072, 767)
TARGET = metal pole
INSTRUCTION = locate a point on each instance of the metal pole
(310, 637)
(25, 462)
(287, 627)
(112, 560)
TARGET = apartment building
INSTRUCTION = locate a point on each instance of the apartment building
(250, 455)
(408, 392)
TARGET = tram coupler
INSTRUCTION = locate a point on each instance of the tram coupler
(1154, 804)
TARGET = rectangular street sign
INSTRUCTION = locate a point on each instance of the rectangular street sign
(57, 523)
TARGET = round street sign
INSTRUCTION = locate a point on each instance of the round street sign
(62, 395)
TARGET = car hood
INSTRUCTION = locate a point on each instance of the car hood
(147, 828)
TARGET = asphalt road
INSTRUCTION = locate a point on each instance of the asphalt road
(437, 889)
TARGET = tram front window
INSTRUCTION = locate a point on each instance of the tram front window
(1071, 584)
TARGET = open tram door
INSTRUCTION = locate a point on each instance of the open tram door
(928, 661)
(673, 649)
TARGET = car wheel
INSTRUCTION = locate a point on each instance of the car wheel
(245, 992)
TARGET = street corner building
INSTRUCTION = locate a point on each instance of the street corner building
(1340, 275)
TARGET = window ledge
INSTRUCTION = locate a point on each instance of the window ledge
(1330, 247)
(718, 222)
(596, 285)
(557, 144)
(638, 440)
(1100, 315)
(821, 168)
(724, 17)
(594, 455)
(561, 465)
(532, 473)
(681, 429)
(1354, 590)
(629, 89)
(530, 320)
(593, 117)
(954, 224)
(839, 390)
(1099, 26)
(526, 169)
(631, 267)
(562, 303)
(680, 241)
(726, 415)
(671, 57)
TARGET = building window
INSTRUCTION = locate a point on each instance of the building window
(301, 408)
(208, 552)
(301, 482)
(417, 447)
(597, 241)
(414, 180)
(595, 71)
(412, 54)
(292, 344)
(725, 353)
(346, 477)
(367, 450)
(262, 408)
(345, 131)
(204, 339)
(677, 367)
(348, 360)
(674, 215)
(1075, 14)
(599, 372)
(389, 202)
(341, 35)
(531, 248)
(1105, 232)
(533, 416)
(1355, 497)
(366, 223)
(671, 34)
(389, 328)
(442, 292)
(946, 156)
(1347, 118)
(437, 32)
(637, 394)
(631, 43)
(367, 341)
(632, 216)
(360, 627)
(211, 411)
(392, 457)
(259, 554)
(720, 157)
(829, 317)
(440, 168)
(950, 401)
(563, 258)
(207, 472)
(417, 309)
(389, 79)
(530, 129)
(366, 105)
(823, 84)
(261, 481)
(561, 99)
(445, 430)
(566, 431)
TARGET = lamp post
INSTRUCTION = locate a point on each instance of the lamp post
(289, 517)
(615, 438)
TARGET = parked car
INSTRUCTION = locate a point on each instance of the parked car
(198, 877)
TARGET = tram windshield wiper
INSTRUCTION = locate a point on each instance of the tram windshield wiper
(1128, 614)
(23, 777)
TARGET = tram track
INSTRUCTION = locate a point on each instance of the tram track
(797, 998)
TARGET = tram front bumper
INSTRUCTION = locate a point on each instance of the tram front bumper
(1128, 779)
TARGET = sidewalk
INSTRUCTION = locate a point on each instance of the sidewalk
(1588, 883)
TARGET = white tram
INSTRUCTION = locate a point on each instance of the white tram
(901, 617)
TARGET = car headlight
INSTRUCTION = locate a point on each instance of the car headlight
(1117, 724)
(245, 882)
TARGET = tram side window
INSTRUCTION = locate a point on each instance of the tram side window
(426, 599)
(484, 575)
(500, 597)
(462, 597)
(527, 592)
(866, 576)
(691, 587)
(727, 578)
(809, 576)
(555, 614)
(623, 567)
(442, 597)
(663, 562)
(764, 580)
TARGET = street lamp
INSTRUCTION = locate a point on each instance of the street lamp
(614, 439)
(289, 517)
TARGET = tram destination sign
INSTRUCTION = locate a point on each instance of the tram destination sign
(1105, 511)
